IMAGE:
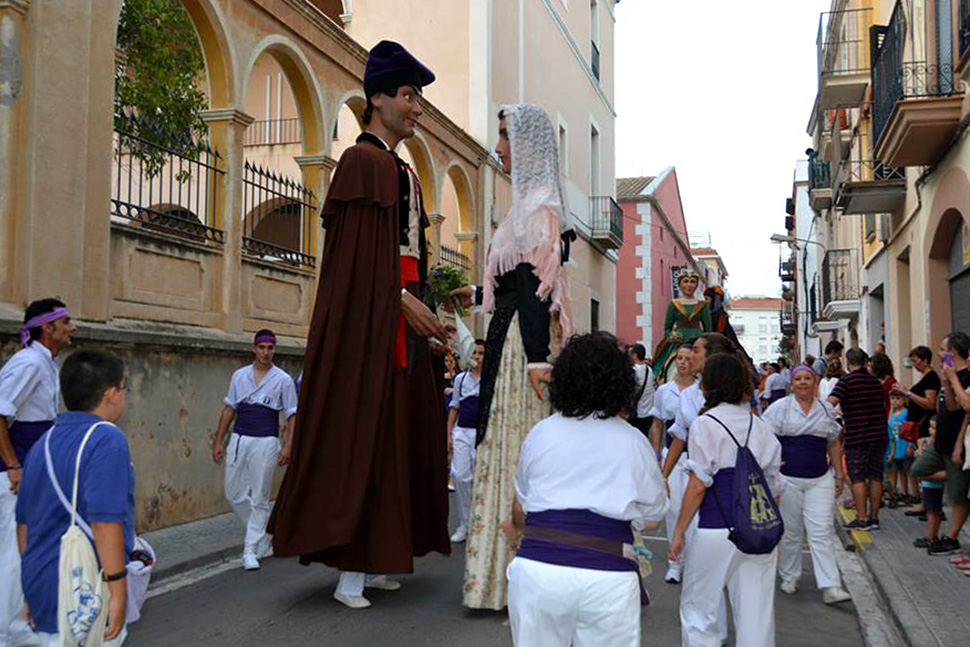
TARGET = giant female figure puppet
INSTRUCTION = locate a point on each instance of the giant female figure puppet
(688, 317)
(525, 290)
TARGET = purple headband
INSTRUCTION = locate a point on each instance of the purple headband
(265, 338)
(40, 320)
(801, 367)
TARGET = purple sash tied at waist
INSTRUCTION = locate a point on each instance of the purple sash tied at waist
(23, 435)
(712, 514)
(776, 394)
(256, 420)
(587, 527)
(804, 456)
(468, 412)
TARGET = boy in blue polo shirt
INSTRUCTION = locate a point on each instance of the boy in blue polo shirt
(92, 385)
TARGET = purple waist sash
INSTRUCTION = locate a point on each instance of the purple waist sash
(256, 420)
(776, 394)
(804, 456)
(468, 412)
(581, 522)
(712, 515)
(23, 435)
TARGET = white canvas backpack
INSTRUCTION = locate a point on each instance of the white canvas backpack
(82, 596)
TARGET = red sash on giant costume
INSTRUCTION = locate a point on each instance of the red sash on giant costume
(409, 274)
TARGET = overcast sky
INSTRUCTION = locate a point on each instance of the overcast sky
(723, 91)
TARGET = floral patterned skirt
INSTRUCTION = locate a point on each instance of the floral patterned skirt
(515, 410)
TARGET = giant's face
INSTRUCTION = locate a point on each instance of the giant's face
(399, 113)
(688, 285)
(504, 147)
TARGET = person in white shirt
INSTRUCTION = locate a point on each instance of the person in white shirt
(666, 404)
(812, 469)
(462, 427)
(712, 562)
(646, 388)
(584, 475)
(30, 394)
(258, 393)
(775, 387)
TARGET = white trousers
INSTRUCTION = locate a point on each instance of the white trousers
(250, 466)
(559, 606)
(808, 506)
(713, 564)
(678, 486)
(14, 631)
(463, 470)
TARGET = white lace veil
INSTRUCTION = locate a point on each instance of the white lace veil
(530, 233)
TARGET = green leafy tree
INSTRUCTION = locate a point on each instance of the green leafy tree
(158, 95)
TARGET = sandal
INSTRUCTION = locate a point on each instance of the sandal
(960, 559)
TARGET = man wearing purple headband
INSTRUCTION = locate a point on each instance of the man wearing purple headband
(29, 398)
(367, 489)
(258, 393)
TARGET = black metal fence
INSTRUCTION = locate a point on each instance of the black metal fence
(894, 79)
(606, 215)
(840, 276)
(841, 44)
(964, 27)
(278, 217)
(867, 170)
(819, 174)
(273, 131)
(165, 180)
(455, 258)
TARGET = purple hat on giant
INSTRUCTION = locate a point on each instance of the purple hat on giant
(389, 65)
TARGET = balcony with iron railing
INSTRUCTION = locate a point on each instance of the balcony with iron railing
(786, 268)
(841, 289)
(606, 222)
(843, 57)
(819, 183)
(861, 185)
(916, 104)
(270, 132)
(455, 258)
(786, 319)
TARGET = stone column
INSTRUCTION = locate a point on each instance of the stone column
(436, 221)
(12, 15)
(317, 170)
(226, 129)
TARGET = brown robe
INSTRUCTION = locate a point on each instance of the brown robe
(366, 489)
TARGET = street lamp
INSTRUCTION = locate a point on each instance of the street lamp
(784, 238)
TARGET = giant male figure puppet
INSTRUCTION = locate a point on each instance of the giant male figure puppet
(366, 488)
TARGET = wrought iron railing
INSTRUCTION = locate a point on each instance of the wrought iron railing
(273, 131)
(594, 59)
(964, 27)
(840, 276)
(786, 268)
(894, 79)
(819, 174)
(606, 216)
(860, 170)
(842, 45)
(165, 180)
(278, 217)
(455, 258)
(786, 318)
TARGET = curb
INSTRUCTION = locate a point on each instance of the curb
(164, 575)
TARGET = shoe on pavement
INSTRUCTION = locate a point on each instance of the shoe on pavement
(461, 534)
(673, 574)
(352, 601)
(789, 586)
(959, 559)
(381, 582)
(923, 542)
(873, 524)
(945, 546)
(249, 562)
(857, 524)
(835, 594)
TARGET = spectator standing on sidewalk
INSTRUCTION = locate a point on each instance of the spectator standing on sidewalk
(882, 368)
(833, 352)
(640, 417)
(860, 396)
(900, 453)
(833, 373)
(258, 394)
(932, 497)
(921, 402)
(943, 459)
(462, 426)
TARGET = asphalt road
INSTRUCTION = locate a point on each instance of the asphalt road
(287, 604)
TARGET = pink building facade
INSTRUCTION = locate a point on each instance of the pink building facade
(655, 248)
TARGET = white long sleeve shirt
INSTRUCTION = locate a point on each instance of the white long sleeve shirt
(30, 389)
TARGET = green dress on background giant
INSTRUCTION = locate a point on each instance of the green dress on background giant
(687, 319)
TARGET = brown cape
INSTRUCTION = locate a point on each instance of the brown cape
(367, 486)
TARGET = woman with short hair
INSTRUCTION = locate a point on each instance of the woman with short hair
(921, 405)
(584, 475)
(712, 563)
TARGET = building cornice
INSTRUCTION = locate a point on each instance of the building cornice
(232, 115)
(316, 160)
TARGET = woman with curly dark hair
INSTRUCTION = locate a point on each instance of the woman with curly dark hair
(713, 563)
(584, 475)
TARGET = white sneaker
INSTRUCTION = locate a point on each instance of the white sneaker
(673, 574)
(789, 586)
(835, 594)
(461, 534)
(352, 601)
(249, 562)
(381, 582)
